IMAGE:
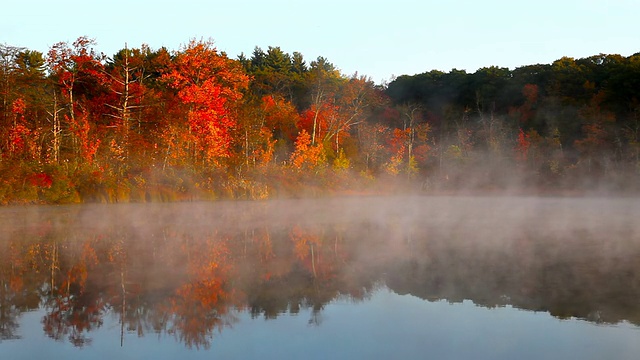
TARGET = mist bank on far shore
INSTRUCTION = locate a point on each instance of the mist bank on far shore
(181, 184)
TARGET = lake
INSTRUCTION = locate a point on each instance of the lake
(443, 277)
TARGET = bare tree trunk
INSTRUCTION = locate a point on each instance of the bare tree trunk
(313, 262)
(317, 102)
(56, 129)
(246, 146)
(125, 103)
(123, 317)
(54, 264)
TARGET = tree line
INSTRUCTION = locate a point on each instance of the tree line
(572, 123)
(156, 125)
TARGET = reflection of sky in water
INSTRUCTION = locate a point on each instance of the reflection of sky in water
(387, 326)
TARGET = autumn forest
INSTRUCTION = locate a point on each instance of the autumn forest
(162, 125)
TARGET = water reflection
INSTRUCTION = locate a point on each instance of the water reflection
(189, 270)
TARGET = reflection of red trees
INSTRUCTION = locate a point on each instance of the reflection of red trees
(304, 242)
(200, 306)
(311, 250)
(13, 293)
(73, 317)
(177, 283)
(77, 274)
(70, 311)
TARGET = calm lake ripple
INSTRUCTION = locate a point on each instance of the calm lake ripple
(353, 278)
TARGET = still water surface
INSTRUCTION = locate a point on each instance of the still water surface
(398, 277)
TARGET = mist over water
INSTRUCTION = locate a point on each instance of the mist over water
(194, 272)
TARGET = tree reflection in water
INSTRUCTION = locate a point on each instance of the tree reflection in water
(188, 270)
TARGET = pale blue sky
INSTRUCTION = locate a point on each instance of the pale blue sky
(374, 38)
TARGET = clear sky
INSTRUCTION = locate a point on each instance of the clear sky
(375, 38)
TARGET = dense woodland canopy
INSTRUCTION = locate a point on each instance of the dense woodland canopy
(157, 125)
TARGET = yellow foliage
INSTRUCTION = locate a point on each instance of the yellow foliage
(341, 162)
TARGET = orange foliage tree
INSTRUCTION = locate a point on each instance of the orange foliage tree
(522, 147)
(78, 70)
(209, 84)
(526, 111)
(264, 123)
(307, 155)
(596, 143)
(281, 117)
(22, 140)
